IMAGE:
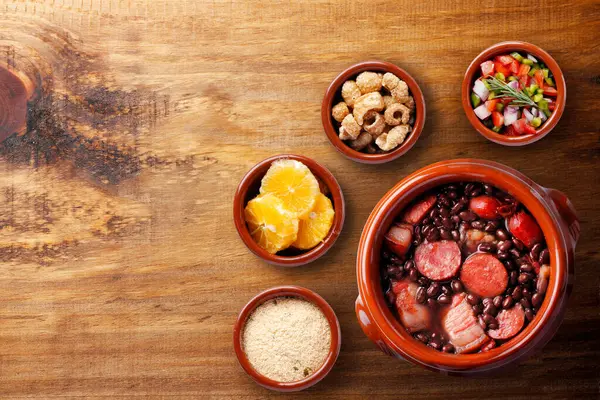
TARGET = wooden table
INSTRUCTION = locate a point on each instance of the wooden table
(121, 272)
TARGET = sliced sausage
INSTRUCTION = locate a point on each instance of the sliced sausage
(414, 316)
(485, 206)
(484, 275)
(524, 228)
(510, 322)
(399, 238)
(461, 326)
(438, 261)
(419, 210)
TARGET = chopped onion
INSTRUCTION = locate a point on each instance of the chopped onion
(480, 90)
(514, 85)
(527, 114)
(532, 58)
(542, 116)
(482, 112)
(511, 114)
(534, 112)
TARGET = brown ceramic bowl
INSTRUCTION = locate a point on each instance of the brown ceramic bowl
(248, 189)
(474, 72)
(551, 209)
(293, 291)
(333, 95)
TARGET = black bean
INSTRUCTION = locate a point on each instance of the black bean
(488, 189)
(482, 322)
(478, 224)
(490, 309)
(534, 253)
(517, 293)
(501, 234)
(447, 223)
(435, 343)
(445, 234)
(455, 219)
(422, 337)
(408, 265)
(472, 299)
(452, 194)
(394, 270)
(444, 212)
(433, 235)
(518, 244)
(413, 275)
(526, 268)
(443, 200)
(426, 221)
(433, 213)
(455, 235)
(433, 289)
(475, 192)
(509, 264)
(386, 255)
(448, 348)
(431, 303)
(489, 319)
(444, 299)
(469, 188)
(504, 245)
(525, 303)
(514, 278)
(465, 225)
(507, 302)
(477, 309)
(497, 301)
(467, 215)
(537, 300)
(493, 326)
(490, 227)
(437, 221)
(515, 253)
(423, 281)
(457, 286)
(421, 296)
(485, 247)
(503, 255)
(544, 257)
(529, 314)
(524, 278)
(527, 293)
(487, 300)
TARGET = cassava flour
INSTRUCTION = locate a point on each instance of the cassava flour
(286, 339)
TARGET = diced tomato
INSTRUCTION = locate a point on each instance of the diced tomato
(551, 106)
(514, 67)
(505, 59)
(550, 91)
(523, 70)
(491, 104)
(519, 126)
(505, 70)
(529, 130)
(539, 78)
(506, 101)
(497, 118)
(510, 131)
(487, 68)
(524, 80)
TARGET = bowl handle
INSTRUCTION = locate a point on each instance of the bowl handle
(364, 320)
(567, 213)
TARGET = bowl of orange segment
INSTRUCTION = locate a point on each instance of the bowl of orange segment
(289, 210)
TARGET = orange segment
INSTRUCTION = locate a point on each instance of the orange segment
(313, 229)
(270, 224)
(294, 184)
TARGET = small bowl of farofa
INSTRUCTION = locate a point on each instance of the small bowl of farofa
(373, 112)
(287, 338)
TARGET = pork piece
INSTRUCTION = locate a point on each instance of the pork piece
(473, 237)
(419, 210)
(414, 316)
(438, 261)
(461, 326)
(399, 238)
(484, 275)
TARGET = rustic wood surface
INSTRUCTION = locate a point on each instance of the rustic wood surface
(121, 273)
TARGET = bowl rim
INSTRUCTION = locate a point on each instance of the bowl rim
(503, 177)
(506, 47)
(288, 291)
(334, 87)
(256, 173)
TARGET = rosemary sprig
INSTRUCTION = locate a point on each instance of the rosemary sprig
(519, 97)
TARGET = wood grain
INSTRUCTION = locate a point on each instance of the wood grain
(121, 273)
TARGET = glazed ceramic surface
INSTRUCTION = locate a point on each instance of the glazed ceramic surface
(555, 215)
(473, 72)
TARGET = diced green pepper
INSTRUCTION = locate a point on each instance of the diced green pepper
(475, 100)
(539, 91)
(499, 107)
(547, 112)
(517, 56)
(486, 83)
(492, 95)
(532, 72)
(512, 78)
(536, 122)
(500, 76)
(546, 72)
(497, 128)
(549, 81)
(527, 61)
(538, 97)
(543, 105)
